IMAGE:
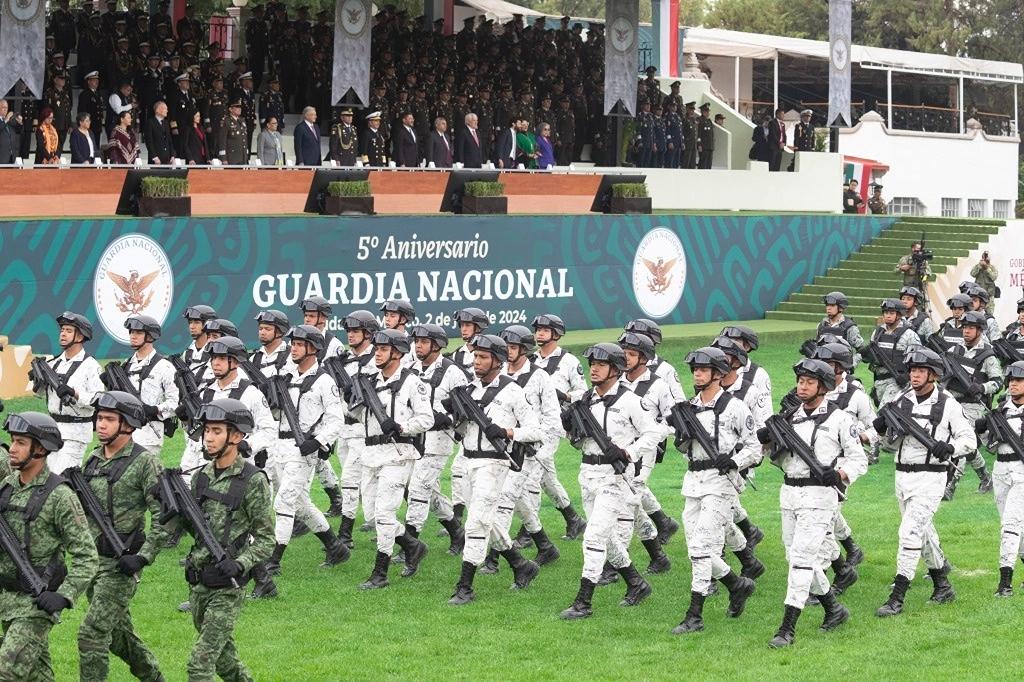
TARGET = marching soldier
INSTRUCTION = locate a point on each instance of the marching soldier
(391, 447)
(344, 147)
(504, 404)
(913, 316)
(315, 312)
(749, 341)
(890, 341)
(982, 366)
(950, 332)
(235, 499)
(441, 375)
(470, 323)
(980, 301)
(836, 322)
(921, 476)
(633, 433)
(399, 314)
(197, 354)
(70, 404)
(232, 143)
(809, 504)
(566, 375)
(152, 377)
(657, 364)
(50, 518)
(123, 476)
(710, 485)
(374, 145)
(318, 407)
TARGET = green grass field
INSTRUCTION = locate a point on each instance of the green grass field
(323, 628)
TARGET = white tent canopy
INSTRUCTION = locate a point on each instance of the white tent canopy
(721, 42)
(499, 10)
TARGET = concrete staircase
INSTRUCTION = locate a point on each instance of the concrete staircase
(868, 276)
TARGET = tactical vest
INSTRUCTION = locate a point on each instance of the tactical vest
(277, 364)
(394, 388)
(743, 388)
(146, 370)
(66, 376)
(524, 379)
(54, 572)
(642, 387)
(438, 376)
(134, 538)
(304, 387)
(718, 410)
(231, 500)
(839, 330)
(842, 400)
(490, 393)
(190, 358)
(235, 394)
(818, 420)
(973, 365)
(887, 343)
(552, 366)
(950, 334)
(934, 418)
(915, 322)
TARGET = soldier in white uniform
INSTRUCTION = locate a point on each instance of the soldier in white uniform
(214, 329)
(273, 358)
(360, 326)
(629, 422)
(152, 376)
(980, 362)
(750, 342)
(979, 303)
(836, 322)
(710, 485)
(441, 375)
(391, 447)
(890, 341)
(808, 503)
(318, 406)
(196, 316)
(657, 364)
(315, 312)
(511, 417)
(1008, 473)
(399, 315)
(70, 404)
(470, 322)
(913, 315)
(921, 476)
(949, 333)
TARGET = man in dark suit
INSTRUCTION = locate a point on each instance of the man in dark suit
(10, 129)
(307, 139)
(439, 147)
(776, 141)
(406, 151)
(505, 151)
(468, 151)
(82, 148)
(157, 135)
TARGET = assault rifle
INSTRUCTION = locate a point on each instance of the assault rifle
(683, 418)
(466, 408)
(334, 367)
(44, 372)
(582, 424)
(1006, 351)
(1002, 432)
(11, 544)
(177, 500)
(115, 378)
(261, 381)
(188, 390)
(785, 437)
(877, 356)
(956, 372)
(91, 505)
(288, 409)
(901, 423)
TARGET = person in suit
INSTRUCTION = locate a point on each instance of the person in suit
(270, 146)
(83, 150)
(194, 141)
(468, 148)
(307, 139)
(157, 136)
(545, 148)
(776, 141)
(505, 152)
(406, 149)
(439, 147)
(373, 146)
(10, 129)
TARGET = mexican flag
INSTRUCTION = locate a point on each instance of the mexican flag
(861, 170)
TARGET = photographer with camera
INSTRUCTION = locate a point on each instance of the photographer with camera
(916, 268)
(985, 274)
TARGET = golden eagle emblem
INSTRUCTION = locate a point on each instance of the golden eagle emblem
(660, 279)
(134, 287)
(354, 15)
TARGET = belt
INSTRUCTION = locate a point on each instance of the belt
(1007, 457)
(483, 454)
(70, 419)
(384, 440)
(351, 420)
(803, 482)
(288, 435)
(701, 465)
(598, 459)
(918, 468)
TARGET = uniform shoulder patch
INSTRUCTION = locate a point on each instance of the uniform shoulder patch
(854, 430)
(750, 422)
(421, 388)
(646, 405)
(579, 369)
(762, 399)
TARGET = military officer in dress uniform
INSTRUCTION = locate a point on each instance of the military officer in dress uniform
(705, 136)
(344, 141)
(215, 108)
(247, 96)
(803, 133)
(565, 132)
(374, 145)
(690, 136)
(182, 107)
(272, 104)
(91, 101)
(232, 147)
(876, 203)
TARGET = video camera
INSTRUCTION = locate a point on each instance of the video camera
(920, 258)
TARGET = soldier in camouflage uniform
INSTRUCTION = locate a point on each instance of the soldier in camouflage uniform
(123, 476)
(47, 514)
(232, 142)
(236, 501)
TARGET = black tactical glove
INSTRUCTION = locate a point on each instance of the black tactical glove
(346, 393)
(244, 449)
(975, 390)
(618, 452)
(831, 477)
(152, 414)
(494, 432)
(941, 451)
(131, 564)
(566, 422)
(763, 436)
(230, 568)
(181, 413)
(260, 459)
(562, 396)
(52, 602)
(65, 392)
(391, 428)
(309, 446)
(981, 425)
(725, 463)
(880, 425)
(447, 405)
(441, 421)
(323, 455)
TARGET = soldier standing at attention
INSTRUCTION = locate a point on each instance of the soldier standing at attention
(705, 136)
(231, 143)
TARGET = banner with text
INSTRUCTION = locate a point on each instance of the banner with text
(594, 271)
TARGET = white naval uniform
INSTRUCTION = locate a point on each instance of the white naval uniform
(81, 373)
(153, 379)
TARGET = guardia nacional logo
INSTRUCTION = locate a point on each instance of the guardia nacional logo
(23, 11)
(133, 277)
(353, 16)
(659, 272)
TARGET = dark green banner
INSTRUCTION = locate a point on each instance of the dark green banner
(594, 271)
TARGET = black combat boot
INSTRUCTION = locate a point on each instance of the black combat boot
(835, 613)
(414, 549)
(985, 480)
(299, 529)
(273, 564)
(846, 575)
(456, 536)
(464, 588)
(1005, 588)
(894, 604)
(264, 587)
(786, 634)
(334, 495)
(368, 526)
(637, 589)
(379, 577)
(336, 550)
(580, 607)
(693, 621)
(345, 531)
(942, 590)
(574, 523)
(608, 575)
(547, 553)
(952, 480)
(458, 510)
(740, 589)
(659, 560)
(666, 525)
(523, 570)
(752, 533)
(854, 554)
(490, 566)
(174, 537)
(522, 540)
(752, 566)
